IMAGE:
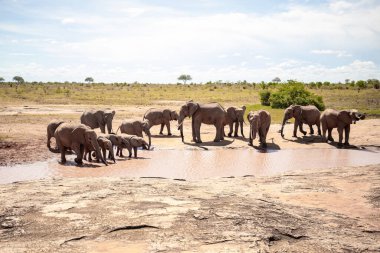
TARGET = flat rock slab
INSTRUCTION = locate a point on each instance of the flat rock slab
(333, 210)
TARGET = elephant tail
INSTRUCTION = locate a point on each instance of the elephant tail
(117, 130)
(54, 150)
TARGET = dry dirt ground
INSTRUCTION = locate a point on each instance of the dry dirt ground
(330, 210)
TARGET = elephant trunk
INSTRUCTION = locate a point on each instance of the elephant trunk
(109, 126)
(99, 156)
(147, 132)
(241, 129)
(54, 150)
(282, 127)
(180, 125)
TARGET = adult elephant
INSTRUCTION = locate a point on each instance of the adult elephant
(235, 115)
(341, 120)
(259, 122)
(136, 127)
(211, 114)
(160, 117)
(52, 126)
(308, 114)
(76, 137)
(98, 118)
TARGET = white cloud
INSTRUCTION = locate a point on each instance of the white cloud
(337, 53)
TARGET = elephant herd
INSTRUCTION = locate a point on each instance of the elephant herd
(82, 139)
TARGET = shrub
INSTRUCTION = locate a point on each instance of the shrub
(295, 93)
(264, 97)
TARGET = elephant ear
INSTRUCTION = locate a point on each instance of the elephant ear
(193, 107)
(297, 111)
(167, 115)
(78, 134)
(345, 116)
(250, 116)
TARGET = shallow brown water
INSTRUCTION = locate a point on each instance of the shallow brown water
(195, 164)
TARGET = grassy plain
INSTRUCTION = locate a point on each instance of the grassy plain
(100, 95)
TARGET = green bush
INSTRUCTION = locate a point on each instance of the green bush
(264, 97)
(295, 93)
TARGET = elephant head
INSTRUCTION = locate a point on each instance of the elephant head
(350, 116)
(293, 111)
(86, 136)
(255, 123)
(187, 110)
(145, 128)
(108, 117)
(173, 115)
(139, 142)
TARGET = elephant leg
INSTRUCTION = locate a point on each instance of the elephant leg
(102, 128)
(78, 149)
(63, 154)
(295, 128)
(168, 127)
(197, 131)
(222, 132)
(340, 132)
(129, 152)
(236, 129)
(250, 136)
(231, 127)
(347, 135)
(193, 130)
(301, 128)
(329, 137)
(311, 129)
(162, 128)
(135, 151)
(104, 153)
(241, 129)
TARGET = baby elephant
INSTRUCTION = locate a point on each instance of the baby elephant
(104, 144)
(129, 142)
(160, 117)
(259, 123)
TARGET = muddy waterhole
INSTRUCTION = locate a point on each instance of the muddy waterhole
(195, 164)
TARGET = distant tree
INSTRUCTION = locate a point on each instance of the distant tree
(18, 79)
(276, 80)
(374, 83)
(1, 79)
(89, 79)
(361, 84)
(184, 78)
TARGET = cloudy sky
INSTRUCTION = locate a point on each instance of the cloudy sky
(156, 41)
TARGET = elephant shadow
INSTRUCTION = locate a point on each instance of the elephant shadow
(83, 165)
(165, 136)
(307, 139)
(335, 144)
(204, 145)
(271, 147)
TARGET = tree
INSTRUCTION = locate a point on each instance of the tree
(1, 79)
(18, 79)
(276, 80)
(184, 78)
(89, 79)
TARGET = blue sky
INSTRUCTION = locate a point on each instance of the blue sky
(156, 41)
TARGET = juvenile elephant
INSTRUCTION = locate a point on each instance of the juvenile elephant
(211, 114)
(104, 144)
(98, 118)
(160, 117)
(235, 115)
(131, 142)
(53, 125)
(259, 123)
(136, 127)
(341, 120)
(76, 137)
(308, 114)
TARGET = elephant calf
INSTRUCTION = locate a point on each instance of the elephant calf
(131, 142)
(235, 115)
(160, 117)
(341, 120)
(135, 127)
(259, 123)
(104, 144)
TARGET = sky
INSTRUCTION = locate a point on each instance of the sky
(155, 41)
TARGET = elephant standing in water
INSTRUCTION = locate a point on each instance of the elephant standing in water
(308, 114)
(160, 117)
(131, 142)
(98, 118)
(53, 125)
(104, 144)
(136, 127)
(211, 114)
(259, 124)
(235, 115)
(341, 120)
(76, 137)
